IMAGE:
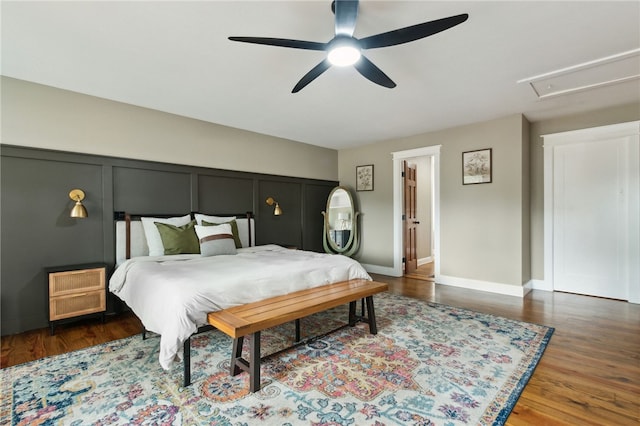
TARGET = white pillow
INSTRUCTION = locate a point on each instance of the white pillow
(212, 219)
(154, 241)
(243, 226)
(215, 240)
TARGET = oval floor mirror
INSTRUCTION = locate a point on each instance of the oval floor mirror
(340, 234)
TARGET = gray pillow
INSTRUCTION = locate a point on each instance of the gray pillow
(216, 240)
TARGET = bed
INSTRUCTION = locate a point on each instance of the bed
(172, 294)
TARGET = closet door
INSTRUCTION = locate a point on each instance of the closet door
(595, 213)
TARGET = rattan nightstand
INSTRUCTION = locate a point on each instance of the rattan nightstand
(76, 291)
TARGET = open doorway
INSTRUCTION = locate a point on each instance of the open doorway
(427, 233)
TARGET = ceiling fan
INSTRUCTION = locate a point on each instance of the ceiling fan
(344, 49)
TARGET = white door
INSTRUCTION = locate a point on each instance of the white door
(594, 203)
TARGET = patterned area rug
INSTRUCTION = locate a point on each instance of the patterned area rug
(429, 364)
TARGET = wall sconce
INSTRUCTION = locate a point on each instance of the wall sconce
(78, 209)
(277, 211)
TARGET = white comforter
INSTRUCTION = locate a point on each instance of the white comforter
(172, 294)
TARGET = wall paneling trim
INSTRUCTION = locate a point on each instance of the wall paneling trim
(37, 232)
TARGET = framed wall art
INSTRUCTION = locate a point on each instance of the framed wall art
(364, 178)
(476, 166)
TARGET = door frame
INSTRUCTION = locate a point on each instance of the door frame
(630, 129)
(398, 157)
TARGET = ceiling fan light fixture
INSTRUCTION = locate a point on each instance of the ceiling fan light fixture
(344, 56)
(344, 52)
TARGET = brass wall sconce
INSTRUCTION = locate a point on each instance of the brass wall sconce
(78, 209)
(277, 211)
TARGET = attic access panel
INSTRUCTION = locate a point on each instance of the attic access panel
(614, 69)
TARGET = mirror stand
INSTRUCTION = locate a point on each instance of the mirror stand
(340, 233)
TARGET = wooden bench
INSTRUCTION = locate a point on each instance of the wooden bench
(252, 318)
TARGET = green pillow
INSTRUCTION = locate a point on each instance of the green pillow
(179, 239)
(234, 230)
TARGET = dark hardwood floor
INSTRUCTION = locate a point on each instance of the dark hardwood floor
(589, 374)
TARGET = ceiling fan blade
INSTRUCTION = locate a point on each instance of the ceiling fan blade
(373, 73)
(282, 42)
(414, 32)
(346, 12)
(312, 75)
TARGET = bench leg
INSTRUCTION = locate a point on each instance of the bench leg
(297, 330)
(254, 366)
(371, 314)
(186, 360)
(352, 314)
(236, 354)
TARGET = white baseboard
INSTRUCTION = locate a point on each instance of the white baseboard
(382, 270)
(487, 286)
(491, 287)
(540, 285)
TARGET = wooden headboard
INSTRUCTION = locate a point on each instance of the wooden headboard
(131, 241)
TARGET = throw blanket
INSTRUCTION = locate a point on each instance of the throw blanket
(173, 294)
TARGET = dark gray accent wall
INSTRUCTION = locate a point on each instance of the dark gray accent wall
(226, 195)
(151, 191)
(37, 232)
(277, 229)
(314, 204)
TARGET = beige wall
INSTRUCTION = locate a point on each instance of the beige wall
(481, 225)
(44, 117)
(614, 115)
(376, 212)
(489, 253)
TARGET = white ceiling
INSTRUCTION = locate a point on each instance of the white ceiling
(175, 57)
